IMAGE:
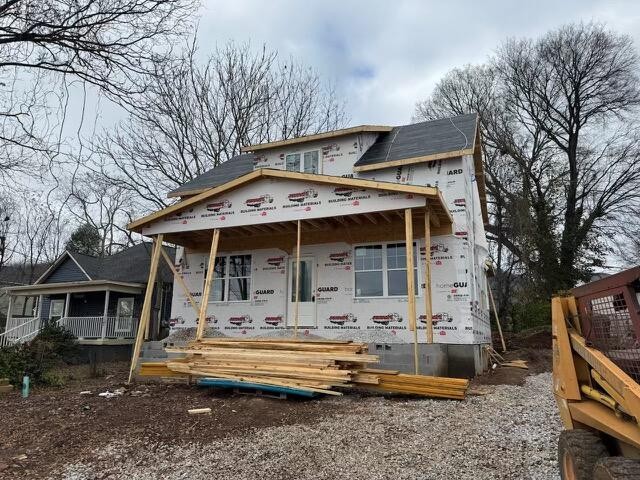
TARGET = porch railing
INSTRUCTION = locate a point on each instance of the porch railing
(100, 327)
(21, 330)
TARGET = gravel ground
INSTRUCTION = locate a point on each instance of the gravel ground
(510, 433)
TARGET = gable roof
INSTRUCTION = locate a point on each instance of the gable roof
(130, 265)
(420, 142)
(318, 136)
(233, 168)
(430, 192)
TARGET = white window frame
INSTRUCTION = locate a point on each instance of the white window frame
(302, 154)
(226, 279)
(124, 324)
(56, 301)
(385, 270)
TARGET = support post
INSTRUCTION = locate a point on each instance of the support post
(104, 313)
(181, 282)
(146, 306)
(428, 307)
(39, 309)
(296, 308)
(411, 290)
(67, 302)
(9, 312)
(204, 302)
(495, 313)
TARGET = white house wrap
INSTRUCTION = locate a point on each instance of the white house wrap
(350, 190)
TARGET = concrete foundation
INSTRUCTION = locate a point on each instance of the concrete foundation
(104, 353)
(461, 361)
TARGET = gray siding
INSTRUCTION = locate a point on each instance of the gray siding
(67, 271)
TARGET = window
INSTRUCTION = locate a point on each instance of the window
(381, 270)
(310, 162)
(232, 280)
(56, 309)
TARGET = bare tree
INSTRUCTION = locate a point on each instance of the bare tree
(562, 144)
(105, 207)
(46, 44)
(194, 116)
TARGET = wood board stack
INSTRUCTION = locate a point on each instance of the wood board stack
(440, 387)
(308, 365)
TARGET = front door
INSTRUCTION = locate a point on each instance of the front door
(306, 299)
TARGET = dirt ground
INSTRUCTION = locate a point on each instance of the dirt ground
(56, 426)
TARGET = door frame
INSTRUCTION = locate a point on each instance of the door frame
(291, 304)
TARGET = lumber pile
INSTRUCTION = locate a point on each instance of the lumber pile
(312, 366)
(423, 385)
(317, 366)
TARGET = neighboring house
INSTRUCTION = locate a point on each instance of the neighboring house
(348, 193)
(97, 298)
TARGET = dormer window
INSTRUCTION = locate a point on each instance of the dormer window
(309, 164)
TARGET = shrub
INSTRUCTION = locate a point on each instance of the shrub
(53, 346)
(532, 314)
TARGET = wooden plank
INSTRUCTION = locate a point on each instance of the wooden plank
(204, 302)
(180, 279)
(411, 291)
(413, 160)
(146, 306)
(428, 308)
(565, 382)
(495, 313)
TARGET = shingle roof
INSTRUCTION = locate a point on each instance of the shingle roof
(130, 265)
(421, 139)
(404, 142)
(233, 168)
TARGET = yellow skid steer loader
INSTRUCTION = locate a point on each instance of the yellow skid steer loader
(596, 370)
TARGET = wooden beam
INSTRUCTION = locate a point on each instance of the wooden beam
(204, 301)
(495, 313)
(385, 216)
(356, 219)
(371, 218)
(410, 161)
(297, 305)
(435, 221)
(342, 220)
(411, 291)
(178, 276)
(428, 307)
(314, 223)
(146, 306)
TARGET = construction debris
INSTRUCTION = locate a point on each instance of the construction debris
(196, 411)
(312, 366)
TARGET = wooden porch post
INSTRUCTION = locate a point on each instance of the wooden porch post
(67, 302)
(204, 301)
(39, 310)
(146, 306)
(297, 304)
(180, 280)
(428, 307)
(411, 291)
(105, 312)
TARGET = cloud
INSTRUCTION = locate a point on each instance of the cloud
(383, 56)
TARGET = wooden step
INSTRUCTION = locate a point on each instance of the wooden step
(4, 381)
(6, 388)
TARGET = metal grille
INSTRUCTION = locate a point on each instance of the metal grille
(609, 327)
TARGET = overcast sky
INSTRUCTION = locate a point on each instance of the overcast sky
(384, 55)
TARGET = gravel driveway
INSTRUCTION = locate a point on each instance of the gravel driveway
(510, 433)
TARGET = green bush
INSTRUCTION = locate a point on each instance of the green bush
(52, 347)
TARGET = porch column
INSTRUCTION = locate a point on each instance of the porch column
(428, 307)
(411, 291)
(67, 302)
(297, 297)
(105, 312)
(9, 311)
(146, 306)
(39, 309)
(204, 301)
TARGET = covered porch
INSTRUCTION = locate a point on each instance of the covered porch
(290, 216)
(96, 312)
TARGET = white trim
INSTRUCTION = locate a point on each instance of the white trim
(84, 286)
(79, 266)
(385, 270)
